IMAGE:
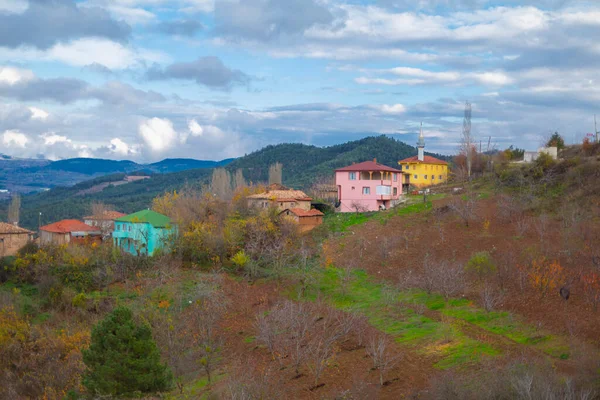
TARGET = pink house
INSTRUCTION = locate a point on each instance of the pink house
(367, 186)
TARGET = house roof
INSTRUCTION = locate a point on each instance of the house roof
(68, 226)
(12, 229)
(426, 160)
(106, 216)
(303, 213)
(153, 218)
(282, 195)
(369, 166)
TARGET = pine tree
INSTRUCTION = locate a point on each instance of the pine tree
(123, 359)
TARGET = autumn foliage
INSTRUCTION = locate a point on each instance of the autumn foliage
(545, 275)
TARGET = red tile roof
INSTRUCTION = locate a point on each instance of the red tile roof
(427, 160)
(369, 166)
(68, 226)
(12, 229)
(303, 213)
(106, 216)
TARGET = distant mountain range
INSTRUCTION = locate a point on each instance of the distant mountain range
(303, 165)
(32, 175)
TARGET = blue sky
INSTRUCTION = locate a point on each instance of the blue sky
(211, 79)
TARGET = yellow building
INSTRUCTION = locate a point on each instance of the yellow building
(421, 170)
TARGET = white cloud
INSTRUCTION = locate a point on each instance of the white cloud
(12, 75)
(158, 134)
(119, 147)
(13, 138)
(51, 138)
(392, 109)
(13, 6)
(38, 113)
(84, 52)
(195, 128)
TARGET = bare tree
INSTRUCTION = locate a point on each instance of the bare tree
(490, 297)
(14, 209)
(442, 276)
(466, 145)
(380, 350)
(276, 173)
(238, 180)
(358, 207)
(331, 327)
(465, 208)
(220, 185)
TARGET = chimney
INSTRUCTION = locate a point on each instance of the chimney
(16, 223)
(374, 160)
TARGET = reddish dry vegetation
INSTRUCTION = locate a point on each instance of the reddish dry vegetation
(348, 372)
(535, 257)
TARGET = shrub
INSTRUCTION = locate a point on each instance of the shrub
(123, 359)
(481, 264)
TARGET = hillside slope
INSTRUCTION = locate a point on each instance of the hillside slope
(302, 164)
(27, 176)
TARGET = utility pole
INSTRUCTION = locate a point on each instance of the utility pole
(596, 130)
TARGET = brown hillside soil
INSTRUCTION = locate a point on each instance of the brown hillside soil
(443, 236)
(348, 371)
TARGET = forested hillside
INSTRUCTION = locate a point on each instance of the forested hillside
(60, 203)
(302, 165)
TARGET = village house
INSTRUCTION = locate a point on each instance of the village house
(104, 222)
(421, 170)
(368, 186)
(307, 220)
(280, 197)
(69, 231)
(12, 238)
(292, 203)
(143, 232)
(531, 156)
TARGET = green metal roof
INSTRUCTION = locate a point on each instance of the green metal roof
(147, 216)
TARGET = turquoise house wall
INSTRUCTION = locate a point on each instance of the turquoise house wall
(142, 237)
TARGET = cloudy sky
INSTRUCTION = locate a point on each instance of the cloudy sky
(211, 79)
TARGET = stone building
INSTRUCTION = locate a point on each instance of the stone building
(12, 238)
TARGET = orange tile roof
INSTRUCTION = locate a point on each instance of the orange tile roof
(427, 160)
(369, 166)
(68, 226)
(282, 195)
(106, 216)
(303, 213)
(11, 229)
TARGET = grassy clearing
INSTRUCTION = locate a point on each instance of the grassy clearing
(443, 341)
(395, 312)
(340, 222)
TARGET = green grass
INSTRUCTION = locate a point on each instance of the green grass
(340, 222)
(393, 312)
(386, 310)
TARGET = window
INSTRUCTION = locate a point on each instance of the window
(407, 167)
(129, 228)
(414, 167)
(425, 176)
(353, 187)
(416, 176)
(433, 177)
(383, 190)
(395, 177)
(440, 177)
(366, 190)
(352, 176)
(395, 191)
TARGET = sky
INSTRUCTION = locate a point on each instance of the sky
(211, 79)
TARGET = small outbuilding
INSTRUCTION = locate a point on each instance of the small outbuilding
(307, 220)
(12, 238)
(69, 231)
